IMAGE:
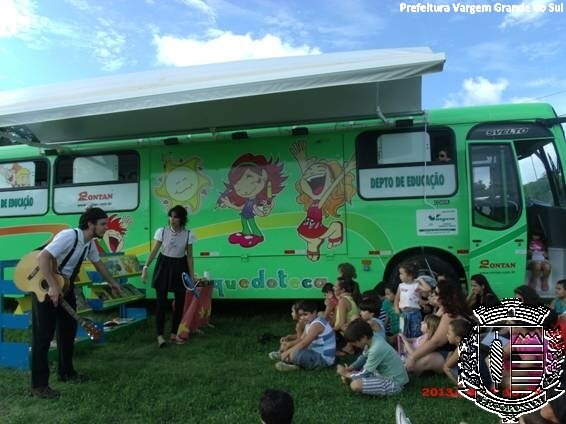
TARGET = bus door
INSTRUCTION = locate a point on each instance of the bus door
(542, 175)
(498, 227)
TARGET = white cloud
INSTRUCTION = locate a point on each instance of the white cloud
(545, 49)
(108, 47)
(519, 17)
(225, 47)
(202, 7)
(20, 20)
(84, 5)
(18, 17)
(477, 91)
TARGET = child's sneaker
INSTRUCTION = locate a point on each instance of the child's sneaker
(400, 417)
(178, 340)
(275, 355)
(284, 366)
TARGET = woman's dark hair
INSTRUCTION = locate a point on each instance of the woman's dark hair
(350, 286)
(328, 287)
(489, 298)
(347, 270)
(358, 329)
(452, 298)
(91, 215)
(410, 268)
(529, 295)
(180, 212)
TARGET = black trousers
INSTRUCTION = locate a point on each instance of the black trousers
(45, 320)
(161, 305)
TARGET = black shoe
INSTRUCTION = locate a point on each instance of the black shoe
(45, 393)
(74, 378)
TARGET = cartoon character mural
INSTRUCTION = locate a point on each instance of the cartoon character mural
(115, 235)
(17, 175)
(253, 183)
(182, 183)
(324, 187)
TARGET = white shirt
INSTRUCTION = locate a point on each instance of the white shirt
(62, 244)
(408, 297)
(174, 244)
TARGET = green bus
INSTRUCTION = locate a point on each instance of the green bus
(276, 209)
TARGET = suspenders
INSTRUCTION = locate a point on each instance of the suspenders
(70, 254)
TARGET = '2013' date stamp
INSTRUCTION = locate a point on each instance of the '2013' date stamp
(436, 392)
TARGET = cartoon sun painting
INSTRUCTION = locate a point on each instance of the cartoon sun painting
(253, 182)
(324, 187)
(183, 183)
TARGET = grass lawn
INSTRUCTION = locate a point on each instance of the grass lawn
(217, 377)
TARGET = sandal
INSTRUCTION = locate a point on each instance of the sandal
(337, 241)
(313, 256)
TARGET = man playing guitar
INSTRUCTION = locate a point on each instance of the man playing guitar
(67, 249)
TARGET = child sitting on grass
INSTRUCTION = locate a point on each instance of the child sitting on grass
(290, 340)
(330, 303)
(379, 371)
(317, 346)
(428, 328)
(457, 330)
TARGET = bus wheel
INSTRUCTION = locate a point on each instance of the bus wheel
(432, 263)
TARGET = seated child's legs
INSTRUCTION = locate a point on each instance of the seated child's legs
(375, 385)
(412, 320)
(309, 359)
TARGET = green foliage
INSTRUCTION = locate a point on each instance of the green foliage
(539, 190)
(217, 377)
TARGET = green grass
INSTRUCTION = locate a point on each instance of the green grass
(217, 377)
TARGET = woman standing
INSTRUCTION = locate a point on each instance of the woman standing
(175, 246)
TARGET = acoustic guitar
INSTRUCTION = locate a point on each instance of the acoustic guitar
(28, 278)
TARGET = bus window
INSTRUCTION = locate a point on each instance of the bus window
(109, 181)
(406, 164)
(24, 188)
(541, 172)
(495, 188)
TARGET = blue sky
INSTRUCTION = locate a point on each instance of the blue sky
(492, 57)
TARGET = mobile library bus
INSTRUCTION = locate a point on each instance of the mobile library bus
(288, 167)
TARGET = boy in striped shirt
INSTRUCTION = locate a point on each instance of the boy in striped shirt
(316, 347)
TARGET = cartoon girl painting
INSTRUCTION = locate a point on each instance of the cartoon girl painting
(324, 187)
(253, 182)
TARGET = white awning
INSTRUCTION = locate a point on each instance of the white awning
(231, 95)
